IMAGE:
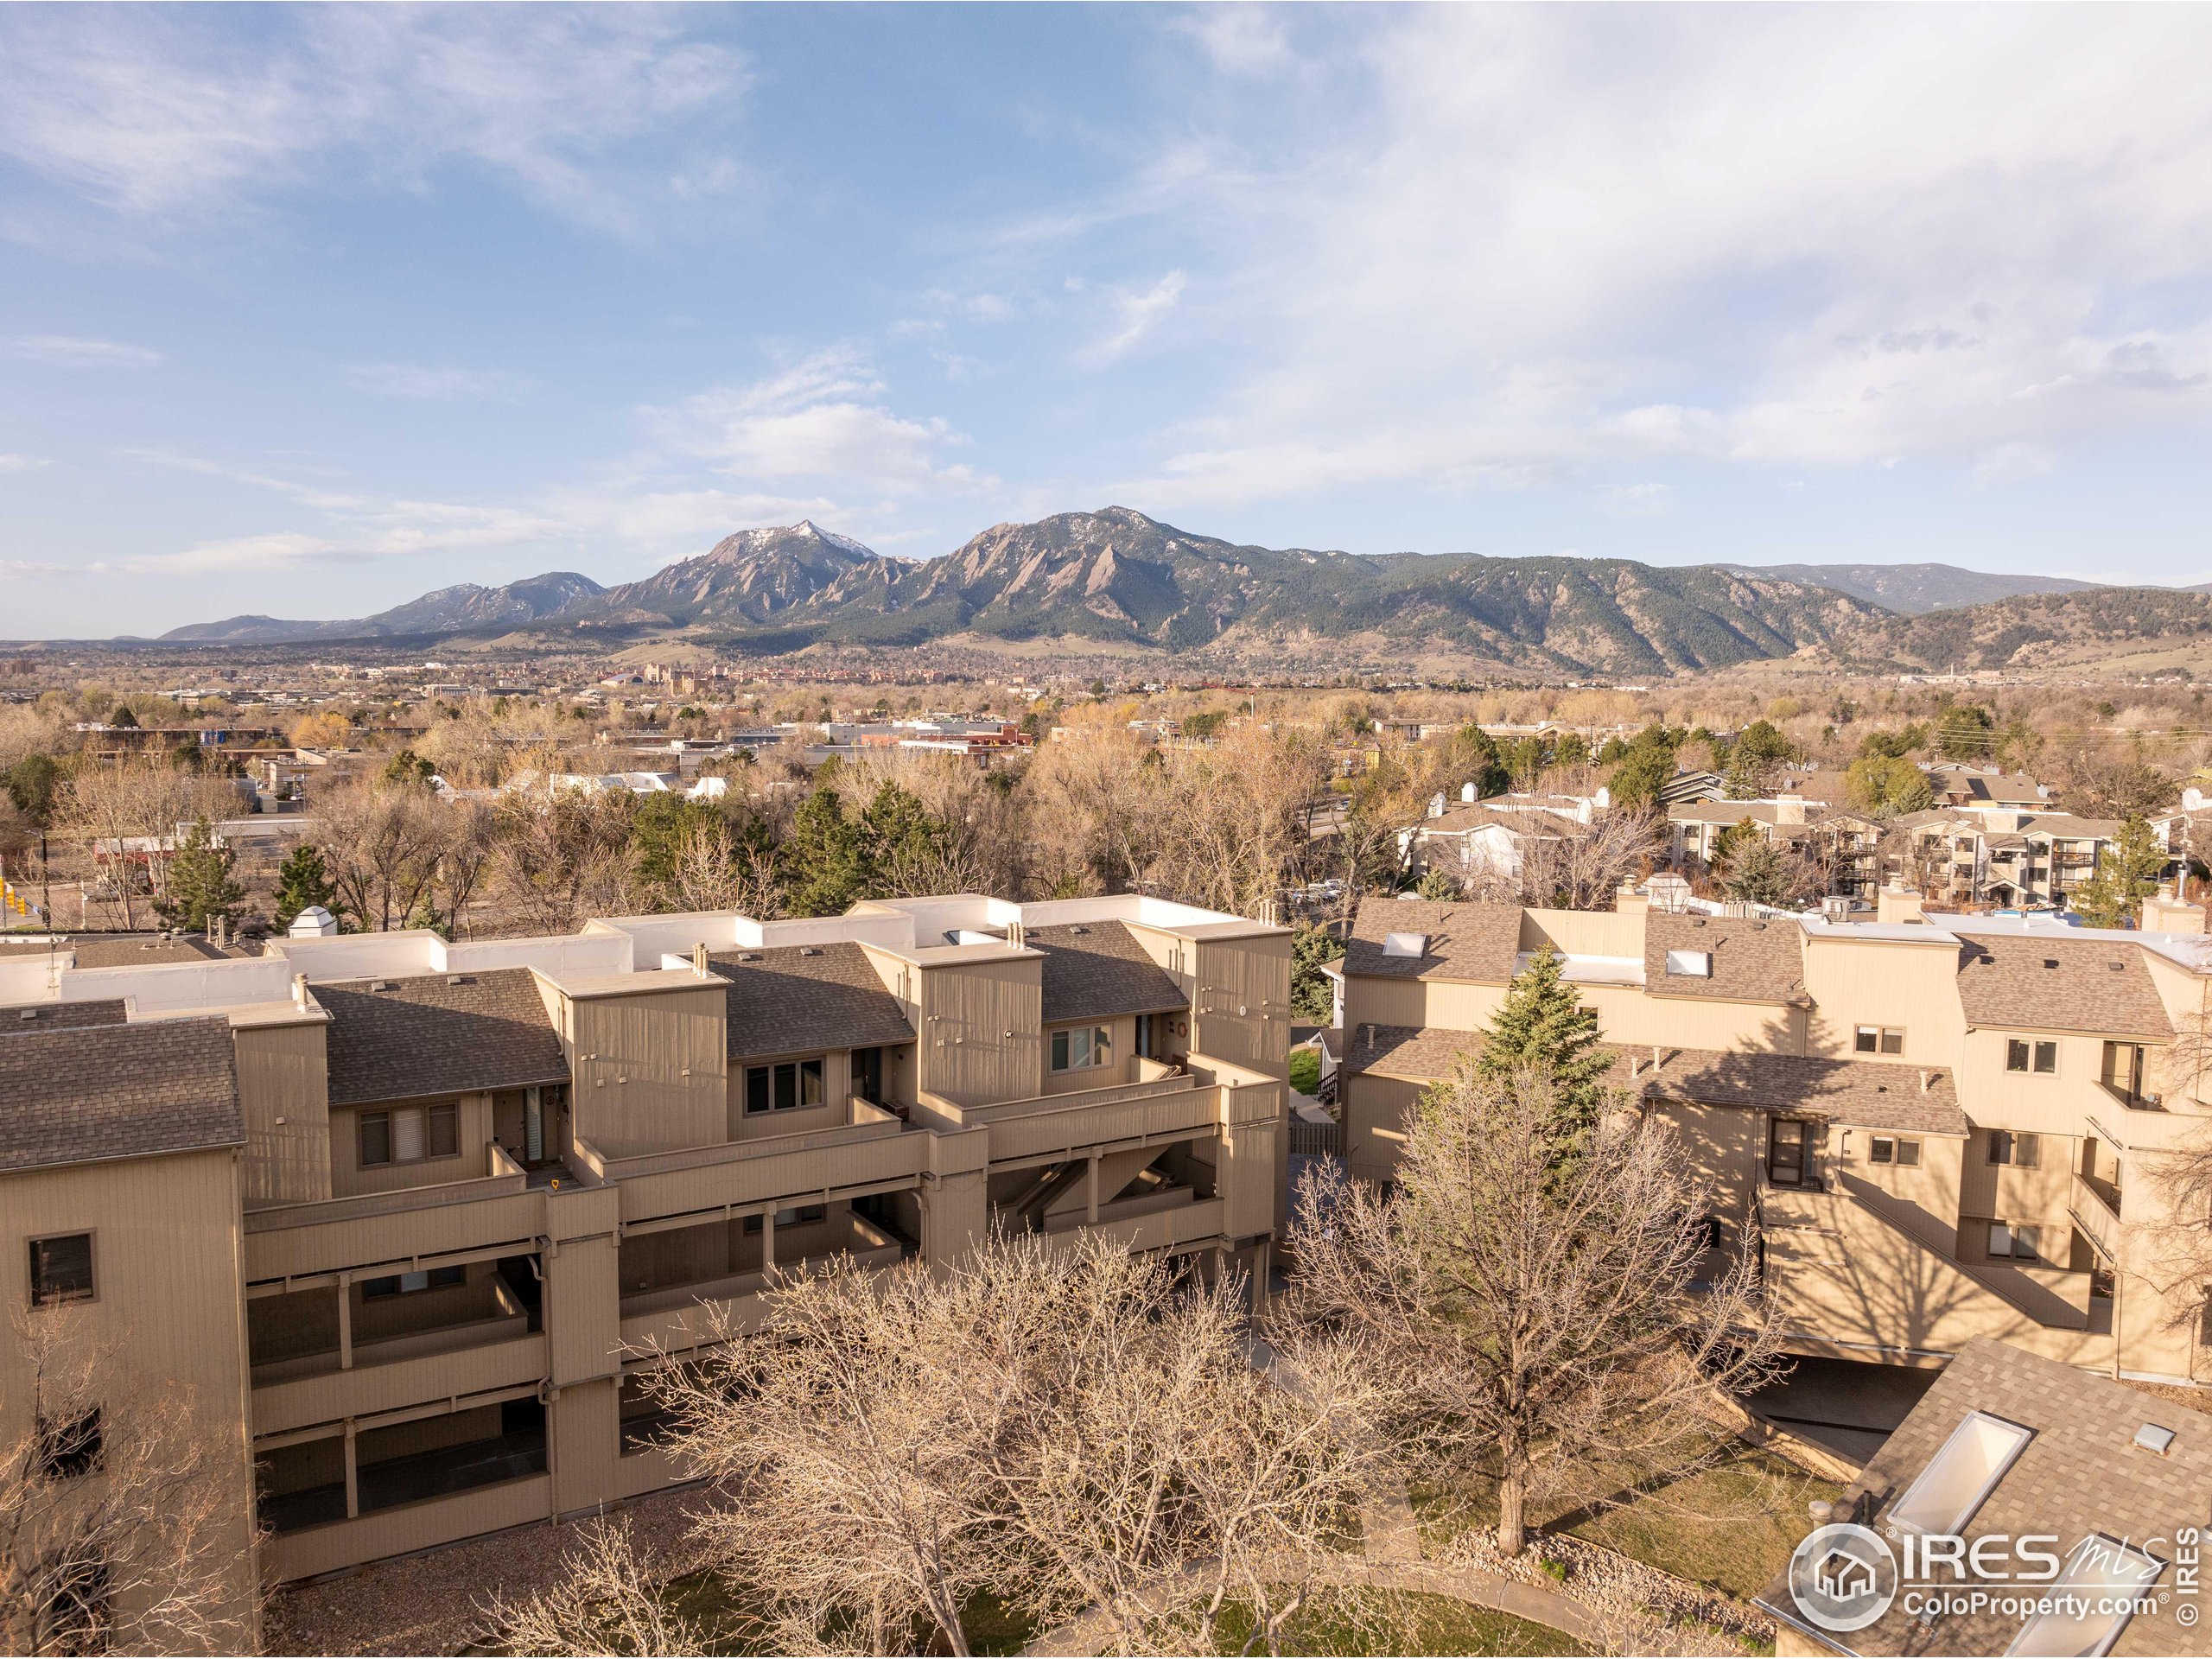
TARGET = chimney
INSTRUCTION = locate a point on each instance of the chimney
(1467, 790)
(699, 959)
(1926, 1082)
(1897, 903)
(2165, 913)
(2006, 821)
(1789, 809)
(1628, 901)
(1436, 805)
(1018, 936)
(300, 992)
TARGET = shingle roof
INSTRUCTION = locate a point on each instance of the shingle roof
(1752, 960)
(797, 997)
(1864, 1092)
(1096, 969)
(2046, 984)
(75, 1095)
(2080, 1474)
(61, 1016)
(1464, 941)
(427, 1036)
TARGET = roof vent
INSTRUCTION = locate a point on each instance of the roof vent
(380, 984)
(1405, 945)
(1759, 927)
(2154, 1439)
(1697, 921)
(748, 955)
(1078, 929)
(2117, 967)
(28, 1014)
(456, 979)
(810, 950)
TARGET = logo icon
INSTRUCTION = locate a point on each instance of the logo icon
(1843, 1577)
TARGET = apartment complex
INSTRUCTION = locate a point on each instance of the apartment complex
(1850, 841)
(409, 1217)
(1936, 1127)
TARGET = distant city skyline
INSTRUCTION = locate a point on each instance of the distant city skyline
(307, 311)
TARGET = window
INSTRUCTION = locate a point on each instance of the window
(1694, 964)
(70, 1447)
(1083, 1048)
(404, 1284)
(2021, 1151)
(2039, 1057)
(1887, 1149)
(61, 1269)
(410, 1135)
(784, 1087)
(1880, 1039)
(2018, 1243)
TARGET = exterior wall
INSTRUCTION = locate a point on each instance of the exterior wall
(650, 1070)
(980, 1025)
(1123, 1068)
(1856, 983)
(283, 1087)
(348, 1177)
(165, 1299)
(1242, 1003)
(1626, 1014)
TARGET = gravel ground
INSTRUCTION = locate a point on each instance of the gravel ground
(428, 1604)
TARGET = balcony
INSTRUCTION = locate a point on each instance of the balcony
(661, 1310)
(330, 1235)
(1041, 1126)
(2095, 1204)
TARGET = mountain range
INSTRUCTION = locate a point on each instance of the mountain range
(1116, 581)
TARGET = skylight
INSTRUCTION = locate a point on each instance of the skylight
(2079, 1616)
(1405, 945)
(1692, 964)
(1944, 1495)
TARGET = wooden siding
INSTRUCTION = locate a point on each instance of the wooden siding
(283, 1092)
(364, 1390)
(650, 1070)
(582, 1311)
(969, 1009)
(1243, 1002)
(414, 1526)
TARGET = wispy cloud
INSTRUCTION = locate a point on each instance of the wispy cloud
(13, 463)
(158, 115)
(432, 382)
(1136, 313)
(88, 353)
(822, 417)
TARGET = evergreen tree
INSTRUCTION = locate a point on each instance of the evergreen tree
(407, 769)
(1756, 874)
(2127, 873)
(1437, 885)
(303, 881)
(1312, 996)
(1541, 1026)
(199, 885)
(825, 867)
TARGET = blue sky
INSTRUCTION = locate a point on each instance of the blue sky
(307, 311)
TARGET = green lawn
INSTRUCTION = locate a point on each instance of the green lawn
(1730, 1525)
(1305, 1070)
(1361, 1622)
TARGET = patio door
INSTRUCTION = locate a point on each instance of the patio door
(1788, 1151)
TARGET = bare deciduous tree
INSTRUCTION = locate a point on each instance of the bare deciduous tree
(105, 806)
(562, 858)
(1533, 1309)
(1574, 866)
(608, 1601)
(382, 842)
(122, 1520)
(1058, 1425)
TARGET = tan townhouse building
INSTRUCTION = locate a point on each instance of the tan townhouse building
(2004, 856)
(1850, 840)
(411, 1218)
(1936, 1128)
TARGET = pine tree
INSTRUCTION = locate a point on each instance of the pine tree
(303, 881)
(199, 885)
(1542, 1027)
(2127, 873)
(1757, 874)
(823, 866)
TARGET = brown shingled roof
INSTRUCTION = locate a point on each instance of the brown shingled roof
(1464, 941)
(2047, 985)
(797, 997)
(1752, 960)
(1864, 1092)
(79, 1095)
(427, 1036)
(1095, 969)
(61, 1016)
(2080, 1474)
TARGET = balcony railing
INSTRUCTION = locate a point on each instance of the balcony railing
(2094, 1206)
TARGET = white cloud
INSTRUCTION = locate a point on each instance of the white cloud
(1556, 239)
(1137, 312)
(432, 382)
(820, 417)
(90, 353)
(1646, 501)
(163, 114)
(11, 463)
(1239, 40)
